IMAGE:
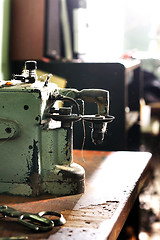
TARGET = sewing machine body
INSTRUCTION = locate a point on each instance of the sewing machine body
(31, 155)
(35, 147)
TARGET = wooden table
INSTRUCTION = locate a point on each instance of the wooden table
(113, 182)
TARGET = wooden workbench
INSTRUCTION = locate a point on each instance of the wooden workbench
(113, 182)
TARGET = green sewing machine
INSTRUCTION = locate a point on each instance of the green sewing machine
(36, 134)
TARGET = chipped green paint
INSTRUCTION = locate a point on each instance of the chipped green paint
(35, 159)
(8, 129)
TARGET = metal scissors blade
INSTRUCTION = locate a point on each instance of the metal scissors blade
(14, 238)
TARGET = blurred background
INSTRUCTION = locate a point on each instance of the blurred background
(101, 44)
(102, 29)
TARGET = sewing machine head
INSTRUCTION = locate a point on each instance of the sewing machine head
(36, 136)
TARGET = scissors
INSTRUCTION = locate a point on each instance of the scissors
(36, 222)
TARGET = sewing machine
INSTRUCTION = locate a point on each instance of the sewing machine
(36, 134)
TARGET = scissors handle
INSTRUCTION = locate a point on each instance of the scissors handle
(36, 222)
(58, 221)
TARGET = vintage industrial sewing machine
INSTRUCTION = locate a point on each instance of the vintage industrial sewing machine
(36, 134)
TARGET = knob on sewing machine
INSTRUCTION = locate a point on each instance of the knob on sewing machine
(36, 135)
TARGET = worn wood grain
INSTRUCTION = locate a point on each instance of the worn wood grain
(113, 182)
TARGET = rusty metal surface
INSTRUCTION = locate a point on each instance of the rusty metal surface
(113, 181)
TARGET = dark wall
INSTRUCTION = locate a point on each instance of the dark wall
(108, 76)
(96, 75)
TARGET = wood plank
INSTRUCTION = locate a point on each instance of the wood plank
(113, 182)
(27, 29)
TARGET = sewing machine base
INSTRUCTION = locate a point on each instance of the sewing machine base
(63, 180)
